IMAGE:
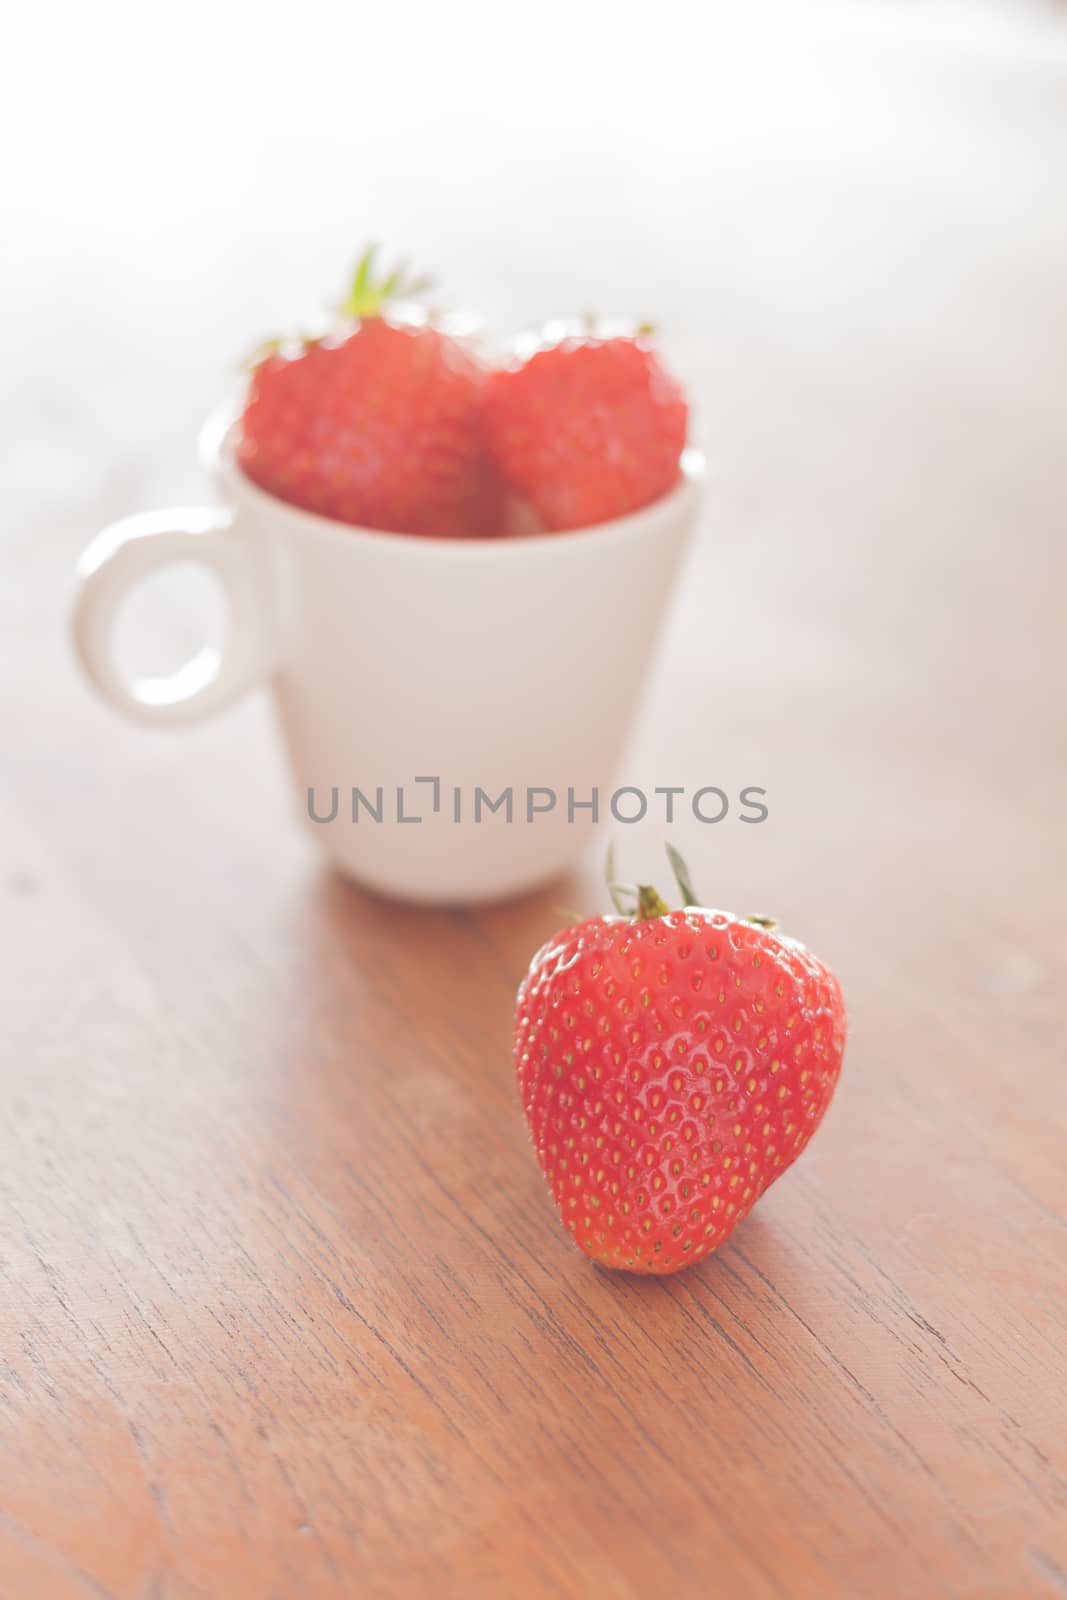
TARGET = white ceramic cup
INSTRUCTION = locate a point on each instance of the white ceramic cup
(508, 665)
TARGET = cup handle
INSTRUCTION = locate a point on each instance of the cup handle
(129, 551)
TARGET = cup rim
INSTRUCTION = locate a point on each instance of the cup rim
(216, 450)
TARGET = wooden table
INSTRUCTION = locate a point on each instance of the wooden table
(286, 1310)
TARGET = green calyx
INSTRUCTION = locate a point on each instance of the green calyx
(640, 901)
(369, 292)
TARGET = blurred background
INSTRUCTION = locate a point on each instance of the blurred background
(847, 221)
(178, 186)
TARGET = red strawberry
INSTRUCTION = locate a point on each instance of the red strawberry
(379, 425)
(587, 428)
(672, 1064)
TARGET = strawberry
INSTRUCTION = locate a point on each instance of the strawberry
(377, 424)
(587, 428)
(672, 1065)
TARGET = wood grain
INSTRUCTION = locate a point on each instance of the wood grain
(286, 1311)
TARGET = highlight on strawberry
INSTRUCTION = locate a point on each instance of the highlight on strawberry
(671, 1065)
(390, 421)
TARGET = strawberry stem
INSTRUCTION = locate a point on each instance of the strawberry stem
(368, 293)
(649, 903)
(638, 901)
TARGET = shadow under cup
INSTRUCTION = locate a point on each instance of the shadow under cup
(449, 707)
